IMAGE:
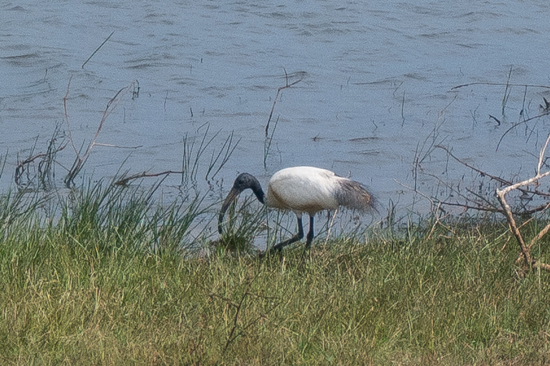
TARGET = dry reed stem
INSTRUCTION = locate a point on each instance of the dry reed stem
(65, 98)
(81, 159)
(97, 49)
(331, 225)
(287, 85)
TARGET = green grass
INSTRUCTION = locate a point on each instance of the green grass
(86, 288)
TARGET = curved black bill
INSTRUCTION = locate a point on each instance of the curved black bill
(231, 196)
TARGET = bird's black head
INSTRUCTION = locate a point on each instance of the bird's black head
(243, 181)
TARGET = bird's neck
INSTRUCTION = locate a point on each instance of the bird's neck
(258, 192)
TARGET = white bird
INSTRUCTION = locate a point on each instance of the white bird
(302, 189)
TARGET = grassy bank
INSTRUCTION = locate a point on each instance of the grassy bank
(86, 289)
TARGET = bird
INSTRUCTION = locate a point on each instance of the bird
(301, 189)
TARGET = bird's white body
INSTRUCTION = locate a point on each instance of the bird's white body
(303, 189)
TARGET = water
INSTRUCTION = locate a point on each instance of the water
(376, 91)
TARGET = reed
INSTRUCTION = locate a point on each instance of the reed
(194, 150)
(269, 136)
(82, 155)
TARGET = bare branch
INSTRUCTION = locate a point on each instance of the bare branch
(81, 159)
(494, 177)
(287, 85)
(124, 181)
(513, 226)
(546, 112)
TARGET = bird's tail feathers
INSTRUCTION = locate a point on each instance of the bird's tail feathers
(355, 196)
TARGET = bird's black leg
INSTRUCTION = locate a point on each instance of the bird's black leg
(295, 238)
(309, 237)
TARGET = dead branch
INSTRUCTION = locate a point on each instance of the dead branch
(81, 159)
(539, 236)
(545, 112)
(479, 206)
(526, 182)
(494, 177)
(287, 85)
(124, 181)
(513, 226)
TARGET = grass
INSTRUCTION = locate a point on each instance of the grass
(86, 288)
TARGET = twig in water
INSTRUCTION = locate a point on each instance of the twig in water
(45, 165)
(546, 107)
(507, 91)
(518, 124)
(403, 110)
(501, 84)
(287, 85)
(135, 92)
(124, 181)
(97, 49)
(267, 143)
(81, 159)
(20, 170)
(496, 119)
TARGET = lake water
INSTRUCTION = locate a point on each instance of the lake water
(375, 93)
